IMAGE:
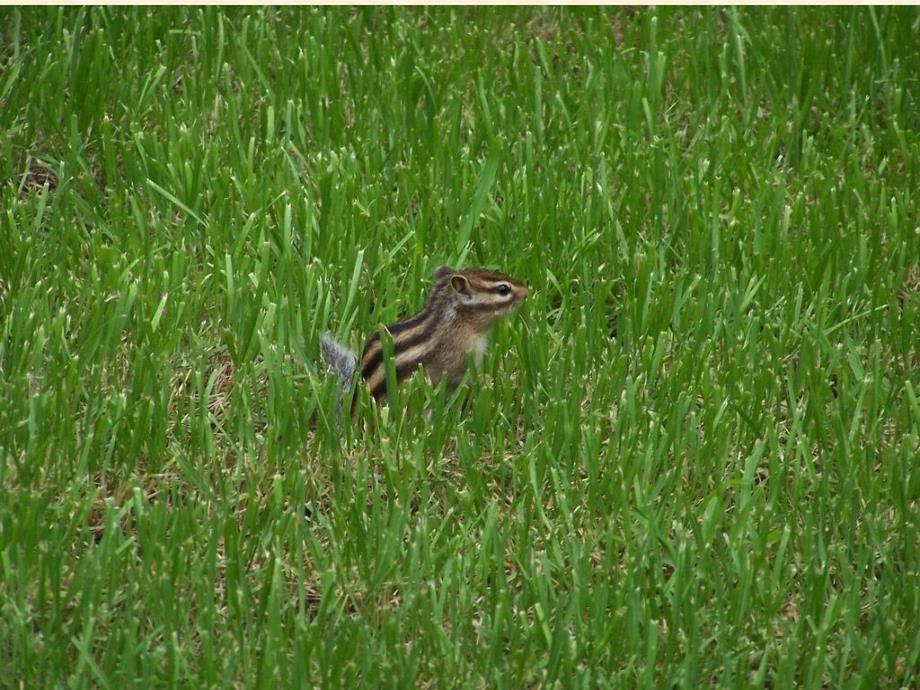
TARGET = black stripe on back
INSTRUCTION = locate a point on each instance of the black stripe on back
(402, 372)
(380, 390)
(398, 328)
(417, 338)
(398, 345)
(368, 368)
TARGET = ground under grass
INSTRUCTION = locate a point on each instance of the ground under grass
(691, 460)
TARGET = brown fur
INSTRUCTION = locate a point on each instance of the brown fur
(461, 309)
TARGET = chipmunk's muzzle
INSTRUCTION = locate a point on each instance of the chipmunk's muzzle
(521, 295)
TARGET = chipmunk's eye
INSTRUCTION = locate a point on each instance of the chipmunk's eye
(503, 289)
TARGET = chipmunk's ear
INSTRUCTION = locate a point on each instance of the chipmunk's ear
(461, 286)
(442, 272)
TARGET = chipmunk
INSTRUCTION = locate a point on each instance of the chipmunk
(455, 322)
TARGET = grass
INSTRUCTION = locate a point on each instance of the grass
(691, 459)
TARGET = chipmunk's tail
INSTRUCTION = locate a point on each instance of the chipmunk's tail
(341, 361)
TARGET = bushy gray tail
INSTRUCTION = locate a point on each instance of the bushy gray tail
(341, 361)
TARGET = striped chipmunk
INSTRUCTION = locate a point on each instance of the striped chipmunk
(455, 322)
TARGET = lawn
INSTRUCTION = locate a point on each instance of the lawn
(691, 460)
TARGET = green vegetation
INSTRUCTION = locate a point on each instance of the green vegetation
(691, 460)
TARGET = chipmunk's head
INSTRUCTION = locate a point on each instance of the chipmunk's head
(480, 296)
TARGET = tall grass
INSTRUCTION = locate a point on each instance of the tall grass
(691, 460)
